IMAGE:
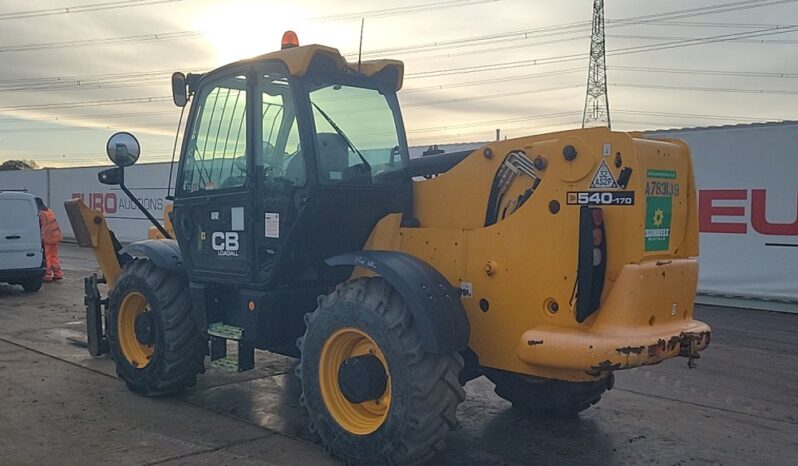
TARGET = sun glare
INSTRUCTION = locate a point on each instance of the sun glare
(247, 28)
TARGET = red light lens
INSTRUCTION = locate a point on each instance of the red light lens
(598, 217)
(289, 40)
(598, 236)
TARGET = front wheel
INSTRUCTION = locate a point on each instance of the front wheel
(372, 394)
(151, 333)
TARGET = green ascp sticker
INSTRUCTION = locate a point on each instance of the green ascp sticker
(658, 223)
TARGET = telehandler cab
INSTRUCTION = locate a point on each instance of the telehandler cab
(301, 226)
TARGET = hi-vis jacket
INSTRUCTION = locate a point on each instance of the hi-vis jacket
(51, 232)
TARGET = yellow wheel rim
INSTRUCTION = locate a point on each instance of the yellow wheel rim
(356, 418)
(137, 353)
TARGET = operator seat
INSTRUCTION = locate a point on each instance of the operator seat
(333, 156)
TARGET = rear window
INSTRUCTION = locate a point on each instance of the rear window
(17, 214)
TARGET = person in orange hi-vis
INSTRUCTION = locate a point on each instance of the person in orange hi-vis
(51, 235)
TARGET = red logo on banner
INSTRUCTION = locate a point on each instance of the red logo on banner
(104, 202)
(707, 210)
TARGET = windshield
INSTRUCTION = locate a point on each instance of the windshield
(356, 135)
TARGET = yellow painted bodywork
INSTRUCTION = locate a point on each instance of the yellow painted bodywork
(91, 230)
(154, 233)
(298, 59)
(528, 259)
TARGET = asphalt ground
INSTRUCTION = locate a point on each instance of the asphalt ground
(59, 405)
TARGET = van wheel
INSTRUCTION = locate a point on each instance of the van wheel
(31, 285)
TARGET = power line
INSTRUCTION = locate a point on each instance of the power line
(695, 115)
(757, 74)
(736, 41)
(402, 10)
(164, 36)
(91, 103)
(707, 89)
(704, 10)
(82, 128)
(89, 117)
(81, 8)
(582, 56)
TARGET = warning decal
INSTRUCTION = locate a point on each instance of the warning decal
(603, 178)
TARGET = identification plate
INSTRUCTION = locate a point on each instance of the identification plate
(600, 198)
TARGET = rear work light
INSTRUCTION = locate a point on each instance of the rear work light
(592, 261)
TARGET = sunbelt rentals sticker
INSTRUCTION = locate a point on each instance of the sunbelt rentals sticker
(659, 210)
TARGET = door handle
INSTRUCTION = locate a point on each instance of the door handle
(13, 237)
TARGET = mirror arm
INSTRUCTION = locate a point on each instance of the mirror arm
(140, 206)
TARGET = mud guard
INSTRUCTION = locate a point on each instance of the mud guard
(434, 303)
(164, 253)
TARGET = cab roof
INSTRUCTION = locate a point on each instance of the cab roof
(298, 61)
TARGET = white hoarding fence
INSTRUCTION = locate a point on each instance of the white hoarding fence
(147, 182)
(747, 178)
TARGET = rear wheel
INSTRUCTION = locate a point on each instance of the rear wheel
(32, 285)
(372, 394)
(546, 397)
(151, 333)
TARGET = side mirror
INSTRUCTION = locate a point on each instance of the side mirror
(179, 89)
(112, 176)
(123, 149)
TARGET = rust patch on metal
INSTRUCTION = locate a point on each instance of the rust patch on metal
(631, 349)
(606, 366)
(534, 342)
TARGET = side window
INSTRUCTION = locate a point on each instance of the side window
(217, 151)
(282, 157)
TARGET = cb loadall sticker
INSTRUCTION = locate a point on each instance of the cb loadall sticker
(659, 207)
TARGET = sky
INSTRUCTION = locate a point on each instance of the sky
(68, 80)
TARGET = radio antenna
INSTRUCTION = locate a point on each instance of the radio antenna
(360, 48)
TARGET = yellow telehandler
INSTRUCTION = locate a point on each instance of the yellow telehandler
(301, 226)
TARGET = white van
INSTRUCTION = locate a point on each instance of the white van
(21, 247)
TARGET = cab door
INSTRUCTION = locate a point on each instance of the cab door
(213, 204)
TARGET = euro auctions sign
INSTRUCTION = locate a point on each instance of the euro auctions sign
(747, 180)
(738, 210)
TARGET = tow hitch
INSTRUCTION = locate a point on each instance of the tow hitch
(690, 344)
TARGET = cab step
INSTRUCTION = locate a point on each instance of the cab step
(228, 332)
(243, 360)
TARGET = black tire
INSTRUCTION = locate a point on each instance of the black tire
(424, 387)
(546, 397)
(179, 353)
(32, 285)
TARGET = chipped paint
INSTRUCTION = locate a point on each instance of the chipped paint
(534, 342)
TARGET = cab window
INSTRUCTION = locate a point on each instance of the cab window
(216, 156)
(356, 136)
(281, 156)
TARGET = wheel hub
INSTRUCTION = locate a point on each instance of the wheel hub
(347, 375)
(145, 332)
(362, 378)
